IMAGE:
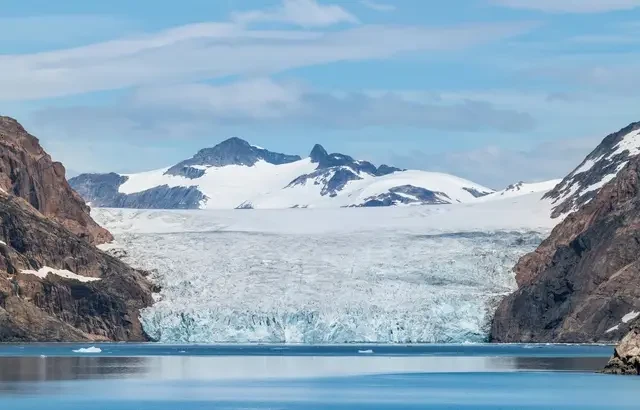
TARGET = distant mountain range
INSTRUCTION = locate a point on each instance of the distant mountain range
(237, 175)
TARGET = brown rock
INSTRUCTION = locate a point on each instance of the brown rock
(626, 356)
(55, 308)
(580, 283)
(28, 172)
(45, 224)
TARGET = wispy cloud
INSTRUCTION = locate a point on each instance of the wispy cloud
(264, 102)
(570, 6)
(214, 50)
(305, 13)
(383, 7)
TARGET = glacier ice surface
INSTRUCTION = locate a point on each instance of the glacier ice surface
(373, 283)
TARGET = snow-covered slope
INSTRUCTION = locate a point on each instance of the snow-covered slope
(523, 188)
(598, 168)
(236, 174)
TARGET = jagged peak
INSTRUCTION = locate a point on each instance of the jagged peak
(318, 153)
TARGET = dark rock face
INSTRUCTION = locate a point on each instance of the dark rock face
(583, 280)
(163, 197)
(98, 189)
(407, 194)
(56, 308)
(599, 166)
(331, 179)
(101, 190)
(626, 356)
(190, 172)
(476, 193)
(324, 160)
(28, 172)
(386, 170)
(233, 151)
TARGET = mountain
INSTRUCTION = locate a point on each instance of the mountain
(55, 285)
(582, 284)
(236, 174)
(523, 188)
(27, 171)
(599, 167)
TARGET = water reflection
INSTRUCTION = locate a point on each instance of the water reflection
(31, 369)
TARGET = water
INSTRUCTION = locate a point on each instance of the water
(179, 377)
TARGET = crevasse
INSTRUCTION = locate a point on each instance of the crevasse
(382, 287)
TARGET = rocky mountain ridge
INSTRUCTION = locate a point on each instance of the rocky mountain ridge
(55, 285)
(28, 172)
(582, 284)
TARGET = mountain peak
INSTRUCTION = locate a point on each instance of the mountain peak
(599, 167)
(318, 153)
(233, 141)
(232, 151)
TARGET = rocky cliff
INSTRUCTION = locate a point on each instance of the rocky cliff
(55, 285)
(28, 172)
(583, 283)
(626, 356)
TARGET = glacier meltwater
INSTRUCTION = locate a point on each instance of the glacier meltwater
(224, 284)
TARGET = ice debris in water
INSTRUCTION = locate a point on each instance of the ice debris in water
(368, 351)
(91, 349)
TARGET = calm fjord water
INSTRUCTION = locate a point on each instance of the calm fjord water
(150, 376)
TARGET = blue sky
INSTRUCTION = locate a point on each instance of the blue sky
(492, 90)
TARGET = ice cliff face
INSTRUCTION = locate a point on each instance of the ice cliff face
(236, 174)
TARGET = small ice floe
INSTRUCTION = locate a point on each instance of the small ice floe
(368, 351)
(91, 349)
(43, 356)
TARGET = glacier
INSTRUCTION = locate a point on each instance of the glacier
(335, 276)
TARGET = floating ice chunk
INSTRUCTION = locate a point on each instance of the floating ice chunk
(368, 351)
(91, 349)
(45, 270)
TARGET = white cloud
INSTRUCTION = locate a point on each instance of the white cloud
(257, 99)
(264, 102)
(383, 7)
(304, 13)
(571, 6)
(214, 50)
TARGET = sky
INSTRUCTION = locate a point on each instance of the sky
(496, 91)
